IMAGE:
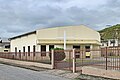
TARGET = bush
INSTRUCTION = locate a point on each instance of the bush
(58, 55)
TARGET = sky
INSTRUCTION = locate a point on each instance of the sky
(21, 16)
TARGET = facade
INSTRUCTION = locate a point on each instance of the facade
(4, 45)
(79, 37)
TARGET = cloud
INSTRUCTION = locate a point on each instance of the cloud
(19, 16)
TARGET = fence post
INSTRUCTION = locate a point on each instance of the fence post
(74, 61)
(52, 59)
(106, 58)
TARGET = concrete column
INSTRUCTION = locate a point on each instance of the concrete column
(74, 61)
(91, 46)
(52, 59)
(47, 47)
(47, 50)
(38, 48)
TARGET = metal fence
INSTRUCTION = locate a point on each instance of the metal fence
(42, 57)
(113, 56)
(105, 58)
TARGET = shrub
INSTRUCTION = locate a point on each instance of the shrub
(58, 55)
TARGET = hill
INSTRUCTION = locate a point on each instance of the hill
(112, 32)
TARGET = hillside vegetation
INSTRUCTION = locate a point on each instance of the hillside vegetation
(112, 32)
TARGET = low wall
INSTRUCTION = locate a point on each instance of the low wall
(101, 72)
(26, 63)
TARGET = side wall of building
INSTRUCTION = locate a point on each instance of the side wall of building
(24, 41)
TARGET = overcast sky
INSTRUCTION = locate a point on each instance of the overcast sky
(20, 16)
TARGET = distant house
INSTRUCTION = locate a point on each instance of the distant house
(4, 45)
(79, 37)
(110, 43)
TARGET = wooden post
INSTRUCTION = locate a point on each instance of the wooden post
(52, 59)
(74, 61)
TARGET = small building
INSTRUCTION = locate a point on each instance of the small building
(4, 45)
(110, 43)
(79, 37)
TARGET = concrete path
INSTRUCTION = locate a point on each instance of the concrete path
(15, 73)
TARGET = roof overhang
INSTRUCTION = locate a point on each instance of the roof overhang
(53, 41)
(33, 32)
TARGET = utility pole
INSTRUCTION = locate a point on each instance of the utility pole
(64, 40)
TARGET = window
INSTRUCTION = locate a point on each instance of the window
(87, 48)
(76, 47)
(33, 50)
(7, 46)
(15, 51)
(24, 51)
(43, 47)
(107, 43)
(43, 50)
(77, 53)
(28, 50)
(19, 53)
(5, 50)
(51, 47)
(102, 44)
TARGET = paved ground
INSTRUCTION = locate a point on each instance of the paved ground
(31, 72)
(15, 73)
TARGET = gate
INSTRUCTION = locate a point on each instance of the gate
(65, 63)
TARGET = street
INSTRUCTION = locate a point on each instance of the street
(15, 73)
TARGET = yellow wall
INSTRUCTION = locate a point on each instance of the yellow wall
(72, 32)
(49, 33)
